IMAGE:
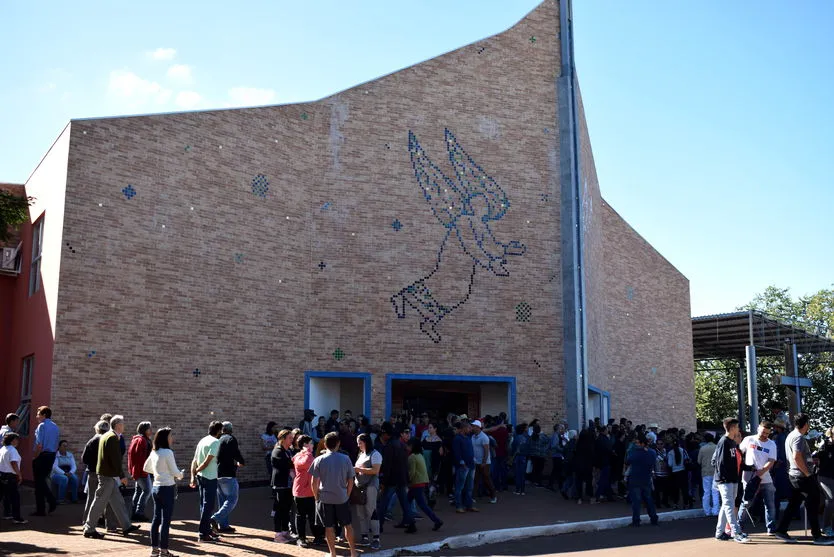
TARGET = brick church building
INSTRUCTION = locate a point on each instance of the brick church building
(433, 240)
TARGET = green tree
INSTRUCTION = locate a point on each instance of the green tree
(715, 380)
(14, 209)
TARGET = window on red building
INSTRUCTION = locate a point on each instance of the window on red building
(37, 248)
(26, 395)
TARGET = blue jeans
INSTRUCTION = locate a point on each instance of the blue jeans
(499, 473)
(62, 482)
(520, 469)
(417, 494)
(604, 484)
(208, 498)
(401, 493)
(639, 495)
(163, 508)
(768, 491)
(141, 494)
(227, 495)
(464, 482)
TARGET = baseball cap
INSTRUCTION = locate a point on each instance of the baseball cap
(477, 423)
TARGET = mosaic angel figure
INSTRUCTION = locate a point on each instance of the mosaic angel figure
(465, 205)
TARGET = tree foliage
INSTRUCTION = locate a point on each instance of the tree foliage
(715, 380)
(14, 209)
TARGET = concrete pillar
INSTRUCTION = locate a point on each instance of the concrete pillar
(573, 272)
(752, 386)
(742, 402)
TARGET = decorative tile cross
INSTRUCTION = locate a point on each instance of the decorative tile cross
(397, 225)
(322, 265)
(533, 39)
(338, 354)
(196, 372)
(129, 191)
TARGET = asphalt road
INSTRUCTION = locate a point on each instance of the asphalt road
(682, 538)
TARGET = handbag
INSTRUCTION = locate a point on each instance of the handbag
(358, 496)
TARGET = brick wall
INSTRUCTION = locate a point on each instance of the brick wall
(235, 287)
(639, 332)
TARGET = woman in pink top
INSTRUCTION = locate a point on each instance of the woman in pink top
(305, 503)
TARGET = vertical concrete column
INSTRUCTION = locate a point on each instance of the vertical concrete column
(752, 386)
(795, 369)
(742, 402)
(573, 295)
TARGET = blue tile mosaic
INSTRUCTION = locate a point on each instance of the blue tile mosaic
(260, 185)
(129, 191)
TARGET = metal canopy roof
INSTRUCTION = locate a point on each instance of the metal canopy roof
(726, 336)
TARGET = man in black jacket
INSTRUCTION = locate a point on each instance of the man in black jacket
(727, 463)
(394, 478)
(90, 458)
(229, 460)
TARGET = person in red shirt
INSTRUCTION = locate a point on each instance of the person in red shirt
(302, 491)
(499, 464)
(137, 454)
(422, 426)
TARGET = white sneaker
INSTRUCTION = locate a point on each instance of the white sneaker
(494, 500)
(739, 538)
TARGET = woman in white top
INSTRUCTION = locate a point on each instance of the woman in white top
(162, 465)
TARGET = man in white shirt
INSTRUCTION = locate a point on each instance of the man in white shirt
(480, 448)
(760, 455)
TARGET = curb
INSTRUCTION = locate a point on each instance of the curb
(494, 536)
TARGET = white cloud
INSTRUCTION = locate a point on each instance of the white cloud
(128, 86)
(162, 54)
(180, 73)
(250, 96)
(188, 99)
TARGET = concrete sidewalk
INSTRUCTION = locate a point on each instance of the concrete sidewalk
(61, 533)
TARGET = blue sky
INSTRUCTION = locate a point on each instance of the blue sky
(712, 122)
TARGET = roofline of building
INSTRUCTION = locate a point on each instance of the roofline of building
(643, 238)
(324, 98)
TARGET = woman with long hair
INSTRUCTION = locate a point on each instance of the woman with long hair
(320, 430)
(163, 467)
(367, 468)
(432, 451)
(282, 485)
(302, 491)
(679, 483)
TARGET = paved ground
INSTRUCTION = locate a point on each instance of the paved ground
(682, 538)
(61, 534)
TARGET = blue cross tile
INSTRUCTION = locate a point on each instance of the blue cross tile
(129, 191)
(396, 225)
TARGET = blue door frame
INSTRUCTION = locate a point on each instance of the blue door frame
(510, 381)
(366, 377)
(604, 401)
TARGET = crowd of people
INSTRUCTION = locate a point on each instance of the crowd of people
(340, 479)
